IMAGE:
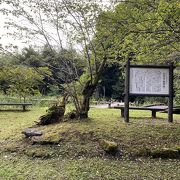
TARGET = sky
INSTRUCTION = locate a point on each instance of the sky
(6, 40)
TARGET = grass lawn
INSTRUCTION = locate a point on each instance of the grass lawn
(147, 148)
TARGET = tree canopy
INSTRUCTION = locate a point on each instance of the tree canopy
(149, 29)
(81, 39)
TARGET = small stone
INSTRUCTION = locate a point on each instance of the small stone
(36, 139)
(46, 139)
(31, 132)
(109, 146)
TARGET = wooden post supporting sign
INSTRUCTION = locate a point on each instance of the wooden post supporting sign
(126, 98)
(171, 94)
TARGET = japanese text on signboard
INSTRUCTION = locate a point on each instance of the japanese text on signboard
(149, 81)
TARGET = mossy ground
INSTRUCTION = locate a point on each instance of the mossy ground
(72, 149)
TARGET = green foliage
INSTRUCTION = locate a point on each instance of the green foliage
(112, 82)
(30, 57)
(62, 67)
(150, 29)
(22, 81)
(147, 28)
(177, 85)
(6, 60)
(54, 67)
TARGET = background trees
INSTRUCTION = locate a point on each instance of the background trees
(82, 40)
(147, 29)
(20, 81)
(62, 24)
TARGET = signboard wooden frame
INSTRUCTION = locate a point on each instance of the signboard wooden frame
(137, 86)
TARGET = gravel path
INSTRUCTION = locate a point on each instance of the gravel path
(107, 105)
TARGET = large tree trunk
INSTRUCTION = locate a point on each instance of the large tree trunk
(89, 89)
(84, 107)
(87, 94)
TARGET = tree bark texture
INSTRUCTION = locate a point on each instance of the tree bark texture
(87, 94)
(89, 89)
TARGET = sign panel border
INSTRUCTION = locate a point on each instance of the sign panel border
(150, 67)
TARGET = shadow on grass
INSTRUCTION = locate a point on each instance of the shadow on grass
(14, 110)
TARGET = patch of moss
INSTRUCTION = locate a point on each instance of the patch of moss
(54, 115)
(108, 146)
(39, 153)
(47, 138)
(12, 148)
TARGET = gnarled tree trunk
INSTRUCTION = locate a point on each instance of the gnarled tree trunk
(89, 89)
(87, 94)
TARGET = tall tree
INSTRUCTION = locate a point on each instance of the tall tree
(150, 29)
(60, 23)
(22, 81)
(140, 26)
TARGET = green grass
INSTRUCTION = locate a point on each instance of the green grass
(78, 155)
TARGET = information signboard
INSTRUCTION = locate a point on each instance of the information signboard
(149, 80)
(152, 81)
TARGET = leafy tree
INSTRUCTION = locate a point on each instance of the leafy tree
(141, 27)
(22, 81)
(177, 85)
(149, 29)
(58, 63)
(5, 61)
(75, 21)
(112, 82)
